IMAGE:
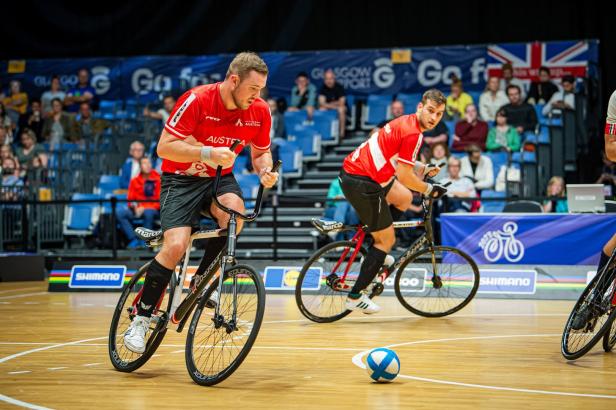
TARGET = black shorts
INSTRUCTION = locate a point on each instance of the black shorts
(368, 199)
(184, 199)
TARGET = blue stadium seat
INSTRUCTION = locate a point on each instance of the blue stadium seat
(451, 127)
(498, 160)
(352, 111)
(249, 183)
(377, 110)
(107, 184)
(239, 166)
(327, 124)
(108, 109)
(492, 206)
(81, 218)
(410, 101)
(475, 96)
(524, 157)
(544, 135)
(291, 156)
(293, 118)
(308, 139)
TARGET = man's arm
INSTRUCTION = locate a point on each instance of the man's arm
(175, 149)
(262, 163)
(407, 176)
(610, 129)
(610, 146)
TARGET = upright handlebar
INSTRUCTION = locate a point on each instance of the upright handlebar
(259, 200)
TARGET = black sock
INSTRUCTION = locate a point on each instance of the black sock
(212, 249)
(156, 280)
(602, 261)
(372, 263)
(396, 214)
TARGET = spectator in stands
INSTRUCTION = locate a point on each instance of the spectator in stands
(132, 167)
(83, 92)
(11, 181)
(491, 100)
(51, 94)
(163, 113)
(508, 79)
(303, 95)
(34, 120)
(470, 130)
(145, 186)
(439, 155)
(339, 210)
(6, 151)
(608, 174)
(5, 121)
(333, 97)
(503, 137)
(556, 194)
(396, 108)
(30, 150)
(519, 114)
(461, 187)
(478, 168)
(58, 127)
(542, 90)
(277, 129)
(87, 128)
(438, 134)
(562, 99)
(5, 139)
(457, 101)
(16, 103)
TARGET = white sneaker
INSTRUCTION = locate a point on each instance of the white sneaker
(363, 304)
(134, 337)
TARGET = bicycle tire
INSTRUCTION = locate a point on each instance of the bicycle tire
(193, 368)
(414, 259)
(303, 308)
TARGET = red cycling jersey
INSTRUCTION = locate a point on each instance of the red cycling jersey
(398, 140)
(200, 117)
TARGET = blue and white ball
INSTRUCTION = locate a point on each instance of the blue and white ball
(382, 365)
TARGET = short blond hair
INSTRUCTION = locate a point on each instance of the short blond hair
(244, 63)
(434, 95)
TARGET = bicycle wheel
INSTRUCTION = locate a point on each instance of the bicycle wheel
(609, 338)
(437, 281)
(318, 292)
(594, 306)
(123, 359)
(215, 349)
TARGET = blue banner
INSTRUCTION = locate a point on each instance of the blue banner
(550, 239)
(361, 72)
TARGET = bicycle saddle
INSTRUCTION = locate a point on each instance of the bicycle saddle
(148, 235)
(327, 226)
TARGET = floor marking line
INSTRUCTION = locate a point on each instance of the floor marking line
(357, 361)
(23, 295)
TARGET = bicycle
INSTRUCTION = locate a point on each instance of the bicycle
(224, 326)
(593, 316)
(441, 281)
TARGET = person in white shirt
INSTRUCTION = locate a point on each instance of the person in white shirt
(460, 187)
(491, 100)
(563, 99)
(610, 129)
(508, 79)
(50, 95)
(163, 113)
(477, 167)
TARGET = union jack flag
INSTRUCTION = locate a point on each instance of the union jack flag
(561, 57)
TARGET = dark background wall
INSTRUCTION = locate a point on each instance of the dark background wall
(51, 29)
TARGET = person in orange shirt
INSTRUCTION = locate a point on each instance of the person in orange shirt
(144, 186)
(16, 103)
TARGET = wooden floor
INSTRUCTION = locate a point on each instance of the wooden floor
(495, 354)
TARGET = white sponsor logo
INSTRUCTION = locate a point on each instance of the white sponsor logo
(239, 123)
(252, 123)
(100, 79)
(431, 72)
(143, 81)
(496, 244)
(207, 117)
(384, 75)
(97, 276)
(387, 129)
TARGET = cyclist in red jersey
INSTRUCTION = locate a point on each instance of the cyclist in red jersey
(381, 171)
(194, 142)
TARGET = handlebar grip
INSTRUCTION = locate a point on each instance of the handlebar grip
(276, 166)
(234, 145)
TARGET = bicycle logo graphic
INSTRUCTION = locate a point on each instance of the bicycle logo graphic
(496, 244)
